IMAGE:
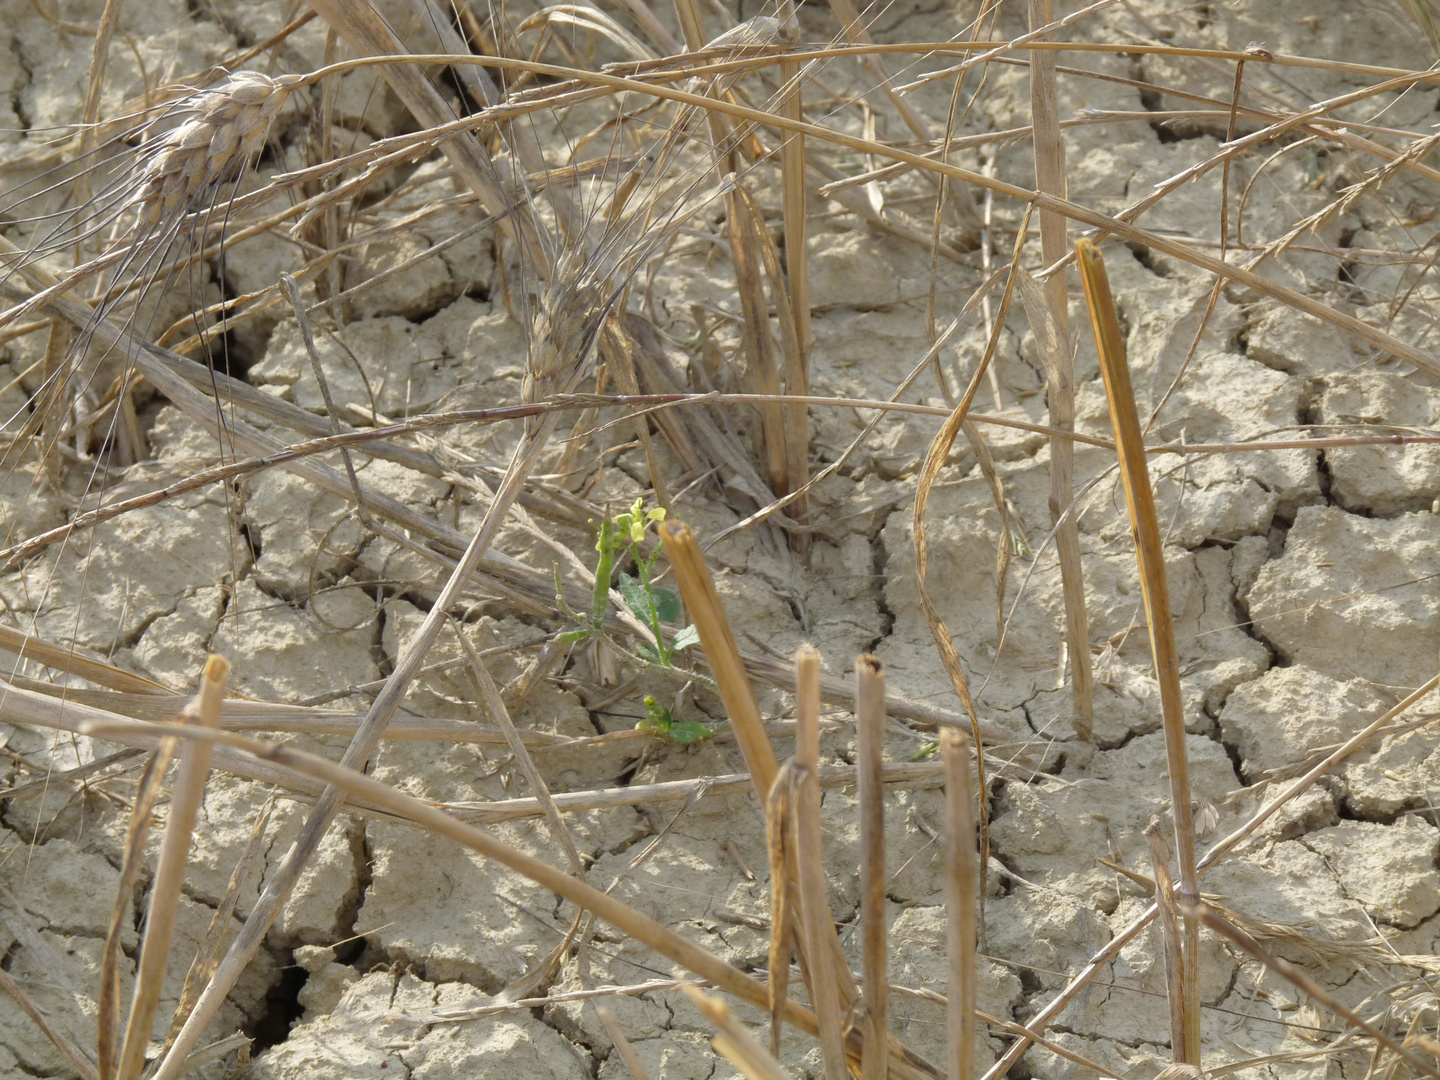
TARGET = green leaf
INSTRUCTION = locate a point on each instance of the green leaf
(635, 596)
(685, 638)
(600, 600)
(689, 731)
(569, 637)
(926, 751)
(647, 653)
(667, 604)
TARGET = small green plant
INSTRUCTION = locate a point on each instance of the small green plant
(658, 721)
(622, 535)
(653, 605)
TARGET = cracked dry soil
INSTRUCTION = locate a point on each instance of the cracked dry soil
(1302, 582)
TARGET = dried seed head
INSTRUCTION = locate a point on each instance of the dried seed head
(565, 323)
(225, 126)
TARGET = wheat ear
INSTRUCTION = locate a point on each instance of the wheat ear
(226, 126)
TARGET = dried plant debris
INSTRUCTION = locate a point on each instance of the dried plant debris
(369, 346)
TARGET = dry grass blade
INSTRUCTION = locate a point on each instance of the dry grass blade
(189, 791)
(495, 706)
(817, 924)
(703, 604)
(1050, 178)
(781, 847)
(622, 1044)
(624, 918)
(1149, 553)
(564, 335)
(1201, 912)
(1005, 540)
(831, 776)
(962, 891)
(147, 796)
(869, 768)
(935, 456)
(735, 1042)
(1170, 928)
(58, 1038)
(66, 659)
(365, 29)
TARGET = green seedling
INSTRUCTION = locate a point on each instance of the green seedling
(658, 721)
(653, 605)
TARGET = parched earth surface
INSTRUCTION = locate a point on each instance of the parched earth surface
(1302, 583)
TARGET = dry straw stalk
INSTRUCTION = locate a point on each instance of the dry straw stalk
(1150, 555)
(874, 933)
(170, 871)
(1050, 177)
(819, 925)
(962, 892)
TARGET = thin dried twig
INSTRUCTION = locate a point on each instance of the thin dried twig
(495, 706)
(58, 1038)
(622, 1044)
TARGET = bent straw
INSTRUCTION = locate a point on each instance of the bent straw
(622, 1044)
(735, 1041)
(1149, 554)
